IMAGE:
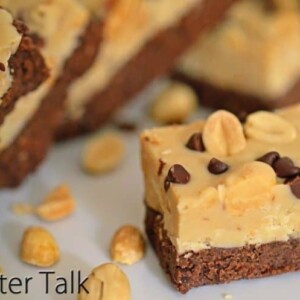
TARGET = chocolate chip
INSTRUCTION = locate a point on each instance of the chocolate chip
(161, 167)
(177, 174)
(217, 167)
(269, 158)
(284, 168)
(270, 6)
(126, 126)
(196, 143)
(295, 187)
(2, 67)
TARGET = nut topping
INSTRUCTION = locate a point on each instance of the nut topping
(249, 187)
(269, 128)
(223, 134)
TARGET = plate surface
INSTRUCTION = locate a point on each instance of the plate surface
(104, 204)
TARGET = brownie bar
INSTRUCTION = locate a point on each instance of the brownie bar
(241, 65)
(28, 69)
(219, 265)
(155, 59)
(236, 102)
(31, 146)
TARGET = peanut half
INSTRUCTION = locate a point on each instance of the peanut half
(103, 154)
(128, 245)
(106, 282)
(174, 105)
(249, 187)
(223, 134)
(57, 205)
(270, 128)
(39, 247)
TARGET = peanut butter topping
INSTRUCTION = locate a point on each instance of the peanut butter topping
(10, 41)
(60, 23)
(256, 49)
(128, 25)
(251, 196)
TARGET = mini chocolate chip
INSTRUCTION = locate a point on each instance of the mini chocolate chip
(217, 167)
(126, 126)
(177, 174)
(270, 6)
(2, 67)
(295, 187)
(196, 143)
(161, 167)
(269, 158)
(284, 168)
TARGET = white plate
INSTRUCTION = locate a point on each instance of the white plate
(104, 204)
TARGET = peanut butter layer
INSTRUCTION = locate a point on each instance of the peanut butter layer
(206, 180)
(60, 23)
(128, 25)
(9, 43)
(256, 49)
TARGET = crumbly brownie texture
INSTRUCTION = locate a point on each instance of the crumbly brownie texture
(219, 265)
(32, 144)
(28, 68)
(155, 59)
(236, 102)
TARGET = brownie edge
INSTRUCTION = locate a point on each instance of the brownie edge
(219, 265)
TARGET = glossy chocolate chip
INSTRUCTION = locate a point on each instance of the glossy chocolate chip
(269, 158)
(284, 168)
(177, 174)
(161, 167)
(295, 187)
(217, 167)
(2, 67)
(196, 143)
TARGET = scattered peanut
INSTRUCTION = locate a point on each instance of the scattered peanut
(57, 205)
(270, 128)
(22, 208)
(174, 105)
(249, 187)
(106, 282)
(223, 134)
(39, 248)
(128, 245)
(103, 154)
(227, 296)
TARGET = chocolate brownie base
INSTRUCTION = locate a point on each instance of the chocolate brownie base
(238, 103)
(28, 70)
(155, 59)
(219, 265)
(32, 144)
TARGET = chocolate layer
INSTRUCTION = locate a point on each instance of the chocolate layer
(238, 103)
(32, 144)
(154, 60)
(219, 265)
(28, 69)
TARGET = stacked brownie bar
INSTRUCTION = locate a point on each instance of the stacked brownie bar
(141, 41)
(251, 61)
(222, 198)
(68, 39)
